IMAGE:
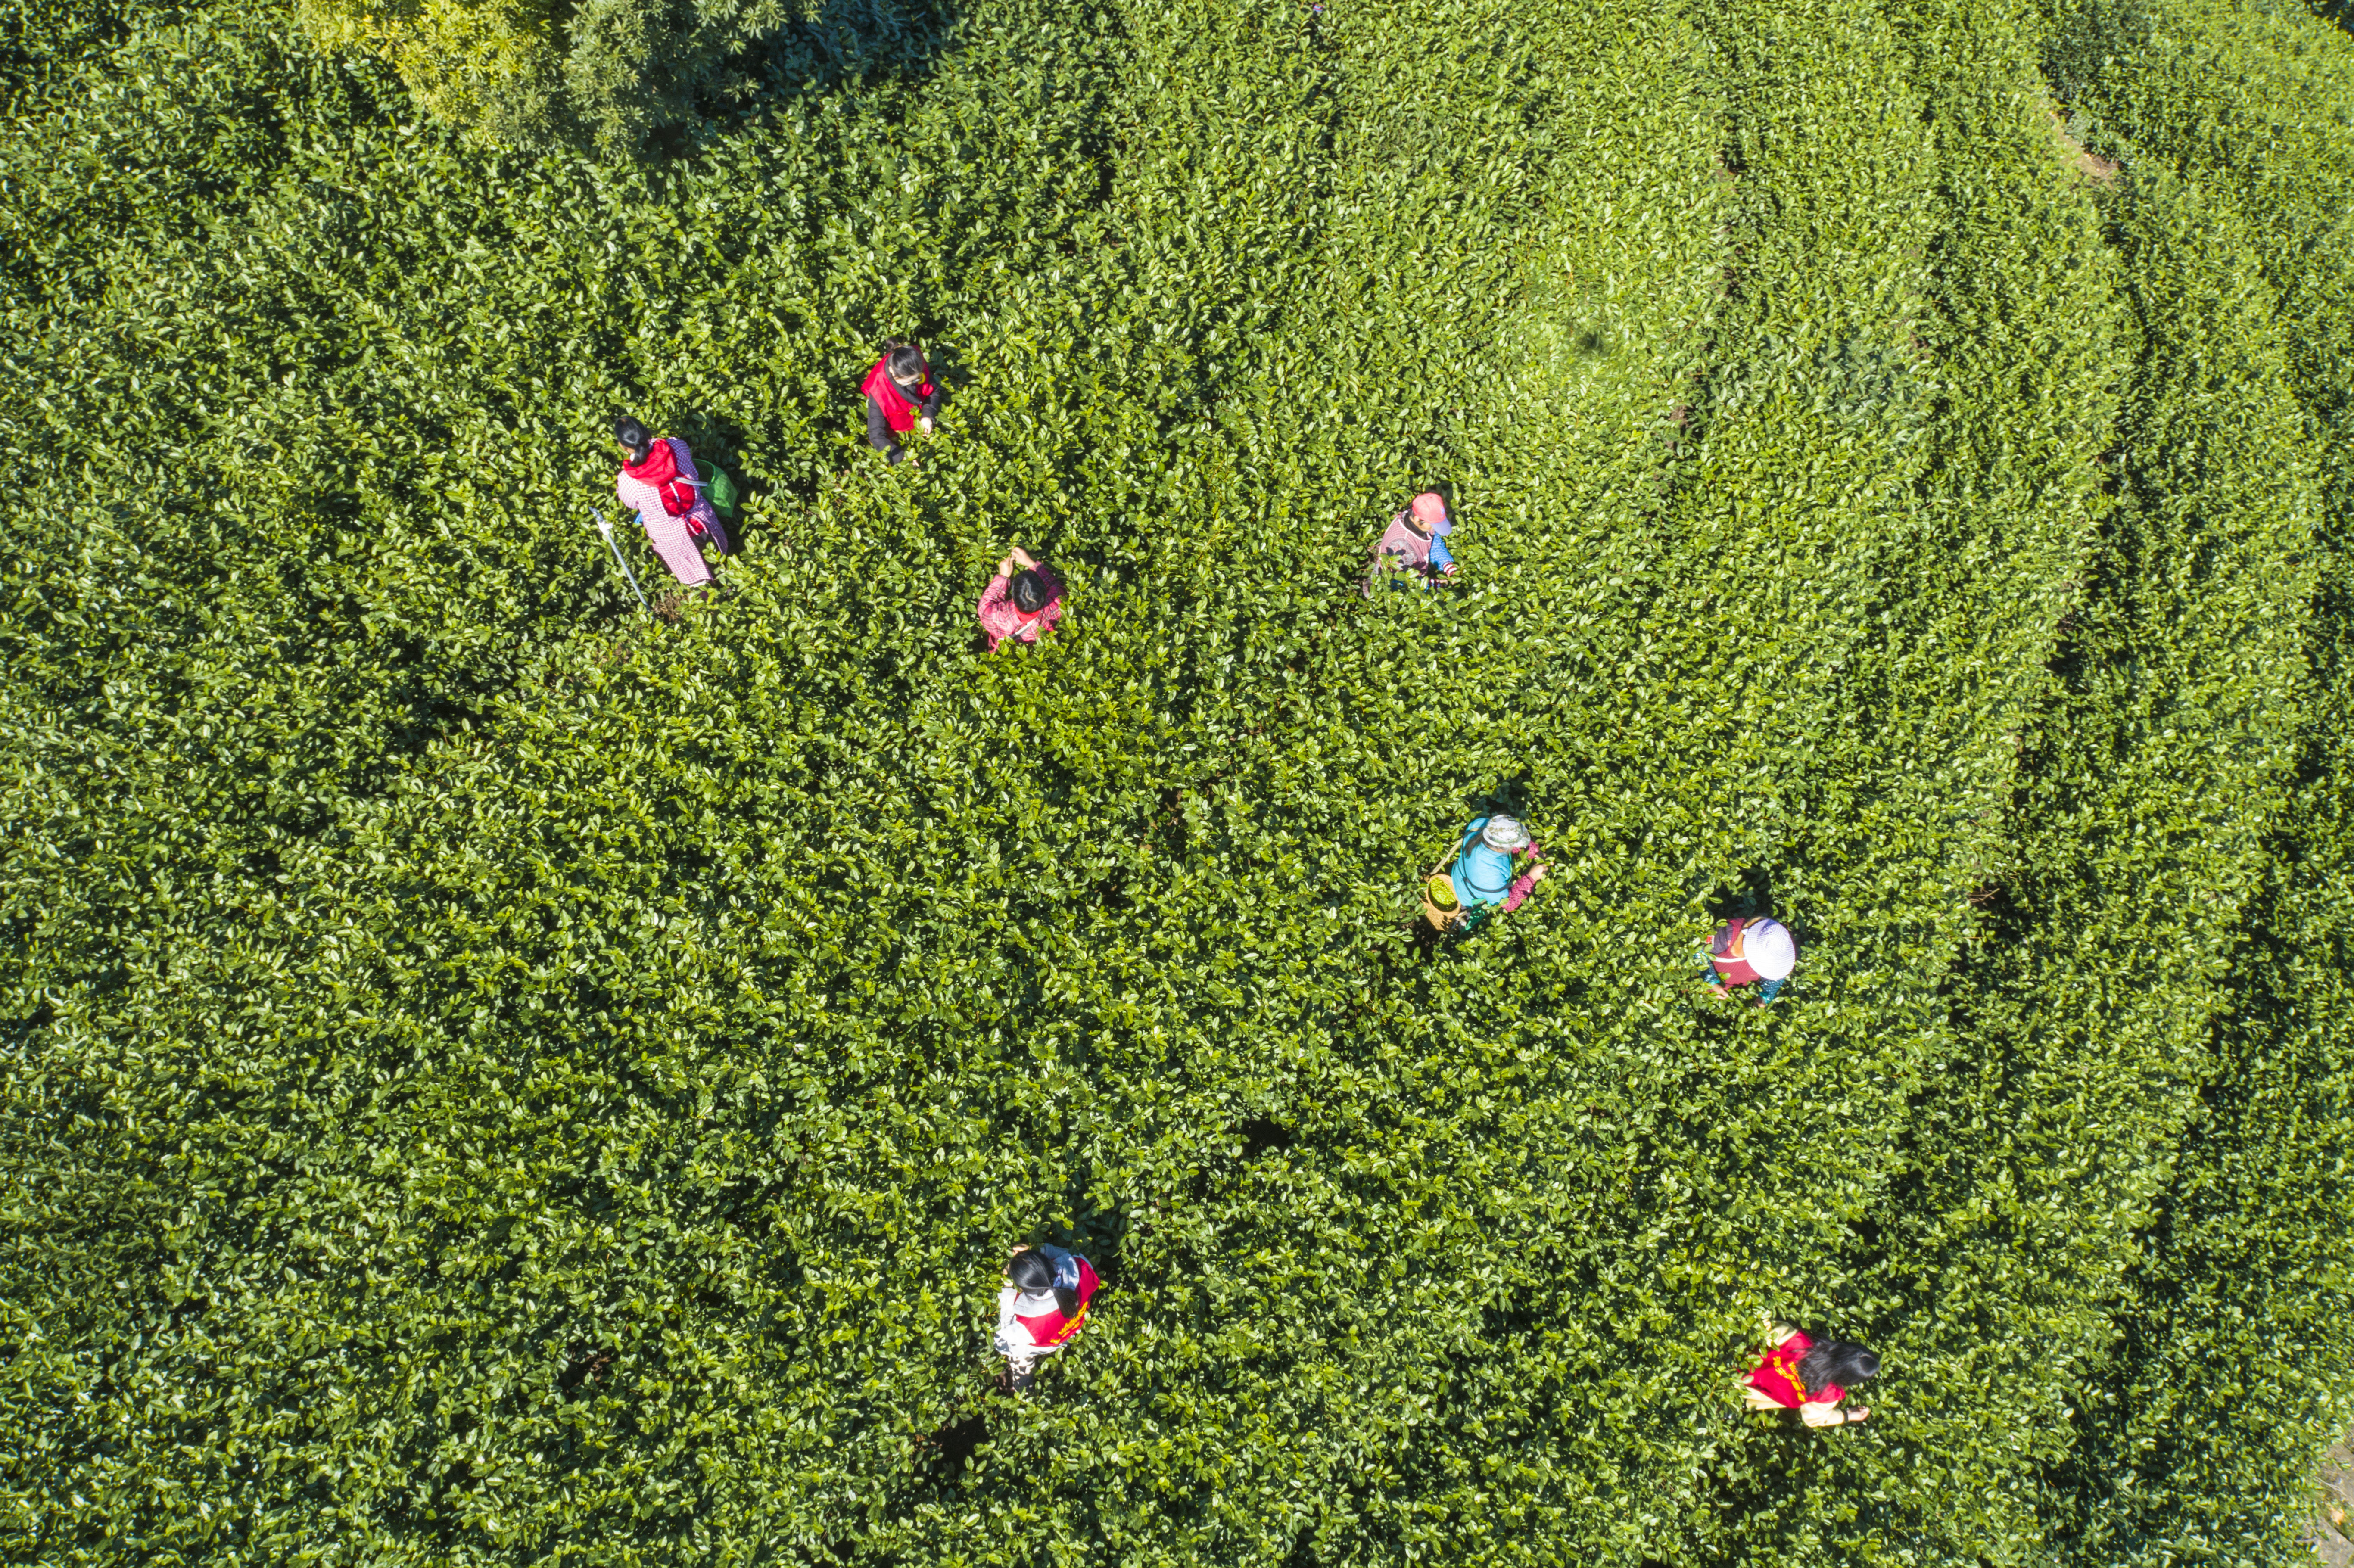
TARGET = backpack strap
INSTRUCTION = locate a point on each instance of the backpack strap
(1720, 942)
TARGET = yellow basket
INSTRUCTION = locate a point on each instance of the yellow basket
(1438, 902)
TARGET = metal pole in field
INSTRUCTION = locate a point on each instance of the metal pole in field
(606, 528)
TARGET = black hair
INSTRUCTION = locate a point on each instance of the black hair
(907, 362)
(633, 435)
(1841, 1362)
(1032, 1271)
(1028, 592)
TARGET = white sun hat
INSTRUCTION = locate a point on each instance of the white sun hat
(1770, 948)
(1505, 833)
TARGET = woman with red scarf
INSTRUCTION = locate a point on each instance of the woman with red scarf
(1042, 1304)
(661, 487)
(1810, 1378)
(900, 395)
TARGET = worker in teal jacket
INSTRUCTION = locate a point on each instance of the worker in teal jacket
(1481, 881)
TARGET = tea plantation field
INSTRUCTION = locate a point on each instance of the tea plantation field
(488, 1075)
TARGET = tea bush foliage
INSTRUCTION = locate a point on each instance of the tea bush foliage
(495, 1077)
(607, 73)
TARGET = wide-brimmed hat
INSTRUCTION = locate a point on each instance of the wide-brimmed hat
(1430, 511)
(1770, 948)
(1505, 833)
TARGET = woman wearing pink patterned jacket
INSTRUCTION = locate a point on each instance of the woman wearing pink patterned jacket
(1020, 603)
(661, 487)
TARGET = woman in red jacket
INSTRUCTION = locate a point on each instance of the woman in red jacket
(900, 396)
(1812, 1379)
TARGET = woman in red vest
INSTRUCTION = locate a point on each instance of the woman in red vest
(1042, 1304)
(900, 395)
(1810, 1378)
(1757, 951)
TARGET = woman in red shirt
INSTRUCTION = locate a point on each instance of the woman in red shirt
(1810, 1378)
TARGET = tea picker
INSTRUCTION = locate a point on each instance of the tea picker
(1044, 1302)
(900, 395)
(662, 485)
(1811, 1378)
(1476, 880)
(1413, 548)
(1018, 604)
(1753, 950)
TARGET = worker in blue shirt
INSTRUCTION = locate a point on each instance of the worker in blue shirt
(1481, 881)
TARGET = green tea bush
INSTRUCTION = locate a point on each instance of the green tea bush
(492, 1076)
(529, 73)
(2231, 100)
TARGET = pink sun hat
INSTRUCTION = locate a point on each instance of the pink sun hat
(1430, 511)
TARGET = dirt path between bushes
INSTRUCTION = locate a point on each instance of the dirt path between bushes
(2333, 1521)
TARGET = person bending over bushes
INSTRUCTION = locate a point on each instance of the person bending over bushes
(661, 487)
(1812, 1379)
(1751, 951)
(1457, 895)
(900, 396)
(1019, 604)
(1042, 1304)
(1412, 549)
